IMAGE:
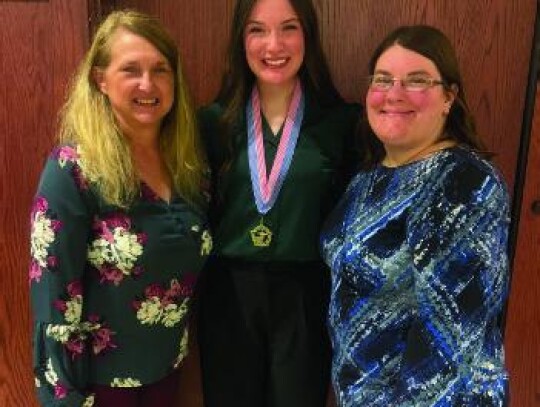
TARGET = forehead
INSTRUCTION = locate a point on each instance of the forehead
(402, 61)
(272, 11)
(125, 45)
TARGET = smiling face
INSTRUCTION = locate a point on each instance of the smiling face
(407, 120)
(139, 83)
(274, 42)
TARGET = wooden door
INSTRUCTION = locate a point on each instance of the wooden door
(523, 320)
(40, 44)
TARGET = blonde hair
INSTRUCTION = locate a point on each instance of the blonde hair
(87, 120)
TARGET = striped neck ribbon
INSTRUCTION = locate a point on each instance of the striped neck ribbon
(266, 189)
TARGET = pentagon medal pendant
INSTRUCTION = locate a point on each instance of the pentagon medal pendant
(266, 189)
(261, 235)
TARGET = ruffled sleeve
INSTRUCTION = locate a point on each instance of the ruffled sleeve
(60, 224)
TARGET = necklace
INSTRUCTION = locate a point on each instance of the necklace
(266, 189)
(421, 154)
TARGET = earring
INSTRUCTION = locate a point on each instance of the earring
(447, 107)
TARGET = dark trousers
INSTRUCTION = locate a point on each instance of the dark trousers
(160, 394)
(262, 334)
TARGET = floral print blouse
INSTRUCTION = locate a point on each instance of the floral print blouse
(110, 287)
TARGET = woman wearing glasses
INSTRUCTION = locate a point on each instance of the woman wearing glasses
(417, 245)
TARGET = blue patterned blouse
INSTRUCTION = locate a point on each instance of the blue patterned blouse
(419, 276)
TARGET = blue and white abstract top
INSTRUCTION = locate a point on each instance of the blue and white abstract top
(419, 264)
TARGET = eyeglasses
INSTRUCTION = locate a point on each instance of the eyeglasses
(415, 83)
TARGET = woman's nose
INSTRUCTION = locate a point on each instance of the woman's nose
(396, 90)
(274, 40)
(145, 82)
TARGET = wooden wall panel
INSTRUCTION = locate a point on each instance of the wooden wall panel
(523, 321)
(39, 44)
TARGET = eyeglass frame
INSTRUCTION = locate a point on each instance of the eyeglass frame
(402, 81)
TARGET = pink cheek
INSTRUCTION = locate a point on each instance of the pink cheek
(375, 99)
(419, 99)
(250, 47)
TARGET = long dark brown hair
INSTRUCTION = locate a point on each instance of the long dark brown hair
(433, 44)
(238, 79)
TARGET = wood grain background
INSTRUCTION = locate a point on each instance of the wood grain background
(523, 323)
(41, 42)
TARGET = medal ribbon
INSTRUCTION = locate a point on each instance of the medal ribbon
(266, 190)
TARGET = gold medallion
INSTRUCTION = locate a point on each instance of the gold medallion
(261, 235)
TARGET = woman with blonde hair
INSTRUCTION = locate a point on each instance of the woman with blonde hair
(117, 226)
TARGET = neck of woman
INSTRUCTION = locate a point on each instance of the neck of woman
(140, 135)
(397, 157)
(275, 102)
(150, 165)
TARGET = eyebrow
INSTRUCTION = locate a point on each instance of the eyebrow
(417, 72)
(289, 20)
(137, 63)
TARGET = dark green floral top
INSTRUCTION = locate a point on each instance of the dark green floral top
(110, 287)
